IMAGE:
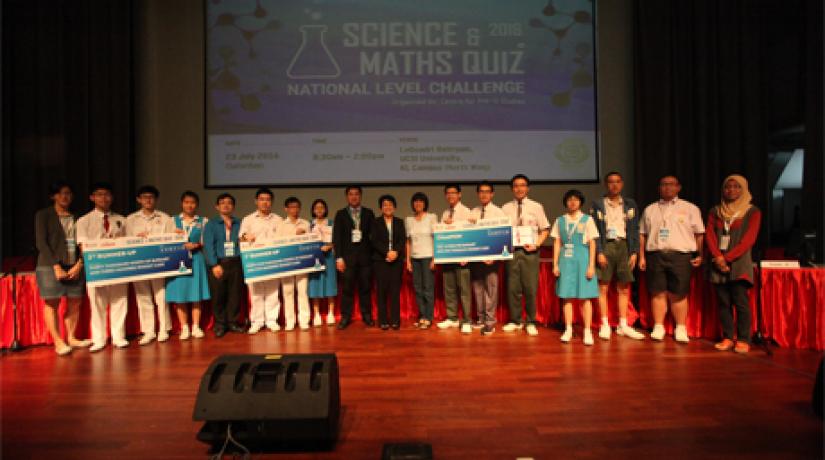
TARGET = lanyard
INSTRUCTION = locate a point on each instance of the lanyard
(664, 214)
(356, 221)
(571, 228)
(727, 222)
(188, 227)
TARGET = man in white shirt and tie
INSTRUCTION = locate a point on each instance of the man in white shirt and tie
(671, 233)
(142, 223)
(456, 277)
(484, 275)
(531, 228)
(102, 223)
(261, 226)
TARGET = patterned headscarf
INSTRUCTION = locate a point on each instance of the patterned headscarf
(741, 205)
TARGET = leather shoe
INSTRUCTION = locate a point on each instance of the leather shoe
(369, 322)
(220, 332)
(385, 326)
(343, 323)
(396, 326)
(238, 329)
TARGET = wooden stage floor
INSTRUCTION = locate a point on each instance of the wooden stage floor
(501, 397)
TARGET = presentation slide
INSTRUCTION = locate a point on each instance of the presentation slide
(325, 92)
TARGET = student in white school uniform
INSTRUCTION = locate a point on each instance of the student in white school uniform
(294, 285)
(484, 275)
(456, 277)
(102, 223)
(142, 223)
(261, 226)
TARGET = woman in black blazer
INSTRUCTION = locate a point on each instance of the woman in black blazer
(388, 254)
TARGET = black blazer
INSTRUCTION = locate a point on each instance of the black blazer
(342, 234)
(50, 238)
(381, 239)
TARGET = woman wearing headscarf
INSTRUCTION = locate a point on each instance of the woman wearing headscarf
(732, 229)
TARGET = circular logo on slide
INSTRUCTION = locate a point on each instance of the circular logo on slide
(572, 152)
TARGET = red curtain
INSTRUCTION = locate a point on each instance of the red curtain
(793, 302)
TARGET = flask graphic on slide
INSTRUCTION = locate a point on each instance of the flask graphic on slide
(313, 59)
(182, 267)
(317, 263)
(505, 252)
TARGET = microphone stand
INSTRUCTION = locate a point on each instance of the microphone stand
(15, 344)
(758, 338)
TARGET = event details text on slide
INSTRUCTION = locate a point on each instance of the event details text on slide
(372, 91)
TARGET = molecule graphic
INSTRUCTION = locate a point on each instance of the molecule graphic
(570, 24)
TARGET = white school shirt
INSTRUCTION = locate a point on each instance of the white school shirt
(289, 228)
(614, 217)
(591, 232)
(532, 214)
(420, 234)
(90, 226)
(156, 223)
(261, 227)
(460, 213)
(491, 211)
(682, 219)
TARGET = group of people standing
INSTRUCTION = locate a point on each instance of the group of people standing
(590, 250)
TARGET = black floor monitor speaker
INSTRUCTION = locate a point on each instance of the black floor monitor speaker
(270, 402)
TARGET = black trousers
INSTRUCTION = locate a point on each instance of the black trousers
(730, 295)
(226, 291)
(388, 290)
(358, 270)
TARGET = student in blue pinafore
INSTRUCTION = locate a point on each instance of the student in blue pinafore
(323, 284)
(193, 288)
(574, 262)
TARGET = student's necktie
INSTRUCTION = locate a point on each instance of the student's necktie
(518, 217)
(106, 223)
(482, 212)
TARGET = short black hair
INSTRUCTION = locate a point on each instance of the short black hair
(457, 187)
(573, 193)
(613, 173)
(519, 176)
(483, 183)
(190, 194)
(147, 189)
(101, 186)
(319, 200)
(420, 196)
(290, 200)
(673, 176)
(225, 195)
(389, 198)
(58, 185)
(353, 187)
(264, 191)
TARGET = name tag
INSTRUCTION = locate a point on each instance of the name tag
(356, 236)
(664, 233)
(724, 242)
(229, 249)
(568, 250)
(611, 234)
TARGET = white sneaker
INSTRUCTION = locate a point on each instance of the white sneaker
(197, 332)
(316, 320)
(447, 323)
(273, 327)
(304, 327)
(680, 334)
(97, 347)
(512, 327)
(658, 332)
(289, 327)
(163, 336)
(184, 333)
(531, 330)
(145, 340)
(121, 343)
(604, 331)
(255, 328)
(567, 336)
(466, 328)
(330, 318)
(588, 337)
(628, 331)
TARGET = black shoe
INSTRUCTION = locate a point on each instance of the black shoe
(369, 322)
(396, 326)
(343, 323)
(487, 330)
(385, 326)
(237, 329)
(220, 332)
